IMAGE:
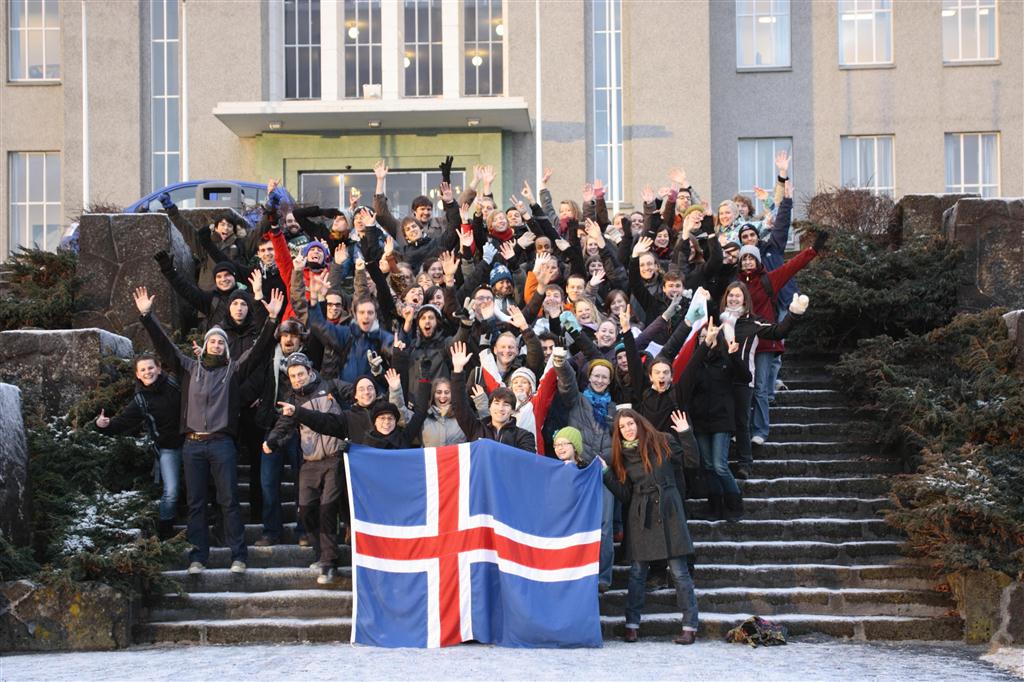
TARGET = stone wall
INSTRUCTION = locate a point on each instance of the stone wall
(55, 368)
(62, 617)
(991, 233)
(1015, 328)
(15, 511)
(921, 214)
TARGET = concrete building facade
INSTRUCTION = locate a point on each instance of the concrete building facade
(102, 102)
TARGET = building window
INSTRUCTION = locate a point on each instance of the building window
(422, 62)
(34, 191)
(972, 163)
(333, 188)
(483, 47)
(762, 34)
(606, 101)
(34, 40)
(865, 32)
(362, 46)
(866, 163)
(756, 158)
(968, 30)
(165, 93)
(302, 49)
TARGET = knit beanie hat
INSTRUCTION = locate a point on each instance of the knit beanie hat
(215, 330)
(298, 360)
(750, 250)
(225, 266)
(573, 435)
(241, 294)
(500, 272)
(527, 374)
(748, 226)
(384, 408)
(316, 245)
(692, 209)
(429, 307)
(600, 362)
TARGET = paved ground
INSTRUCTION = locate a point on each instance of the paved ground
(821, 659)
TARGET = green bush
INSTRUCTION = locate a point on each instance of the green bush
(862, 287)
(39, 290)
(953, 400)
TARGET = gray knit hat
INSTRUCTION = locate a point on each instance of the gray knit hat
(750, 250)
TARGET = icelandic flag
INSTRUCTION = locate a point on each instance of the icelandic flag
(478, 541)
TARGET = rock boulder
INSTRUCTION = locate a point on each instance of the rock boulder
(15, 513)
(921, 214)
(991, 233)
(55, 368)
(1015, 328)
(116, 256)
(64, 617)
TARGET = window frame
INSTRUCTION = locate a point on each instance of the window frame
(412, 44)
(874, 188)
(48, 204)
(352, 15)
(467, 46)
(962, 187)
(756, 19)
(612, 144)
(397, 210)
(162, 153)
(858, 11)
(24, 42)
(311, 75)
(977, 6)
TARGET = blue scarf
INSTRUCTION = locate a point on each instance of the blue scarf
(599, 402)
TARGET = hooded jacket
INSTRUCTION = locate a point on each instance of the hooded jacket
(161, 416)
(762, 305)
(351, 342)
(475, 429)
(317, 396)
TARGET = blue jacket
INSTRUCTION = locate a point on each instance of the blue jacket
(351, 343)
(773, 253)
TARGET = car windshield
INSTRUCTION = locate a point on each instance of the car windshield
(183, 197)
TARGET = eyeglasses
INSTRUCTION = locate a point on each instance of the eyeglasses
(334, 305)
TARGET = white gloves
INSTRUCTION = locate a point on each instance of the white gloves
(558, 356)
(799, 304)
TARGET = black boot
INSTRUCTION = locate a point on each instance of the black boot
(733, 506)
(165, 529)
(717, 504)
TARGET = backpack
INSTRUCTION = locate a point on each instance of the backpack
(757, 631)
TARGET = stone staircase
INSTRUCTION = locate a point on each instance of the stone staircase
(812, 552)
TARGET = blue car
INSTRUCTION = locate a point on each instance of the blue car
(245, 197)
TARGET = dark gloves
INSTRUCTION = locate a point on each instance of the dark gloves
(331, 213)
(276, 197)
(819, 241)
(165, 261)
(446, 169)
(165, 201)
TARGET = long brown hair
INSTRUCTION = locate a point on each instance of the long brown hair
(652, 443)
(747, 307)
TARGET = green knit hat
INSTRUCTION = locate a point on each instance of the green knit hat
(571, 434)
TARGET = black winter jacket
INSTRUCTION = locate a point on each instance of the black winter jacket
(475, 429)
(160, 416)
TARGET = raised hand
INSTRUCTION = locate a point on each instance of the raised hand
(711, 331)
(446, 169)
(465, 212)
(588, 193)
(788, 189)
(340, 253)
(679, 423)
(624, 319)
(393, 378)
(782, 163)
(594, 232)
(516, 318)
(507, 250)
(545, 177)
(449, 263)
(487, 176)
(528, 193)
(197, 350)
(647, 194)
(678, 177)
(398, 344)
(102, 421)
(562, 245)
(299, 262)
(558, 356)
(486, 310)
(760, 192)
(380, 169)
(276, 303)
(389, 246)
(643, 245)
(143, 301)
(466, 239)
(460, 356)
(446, 192)
(596, 279)
(733, 346)
(798, 306)
(526, 239)
(287, 409)
(272, 185)
(477, 391)
(598, 187)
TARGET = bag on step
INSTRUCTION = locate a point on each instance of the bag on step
(757, 631)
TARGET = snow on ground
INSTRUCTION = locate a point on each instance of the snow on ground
(823, 659)
(1009, 658)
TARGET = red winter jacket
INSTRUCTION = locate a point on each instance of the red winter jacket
(762, 305)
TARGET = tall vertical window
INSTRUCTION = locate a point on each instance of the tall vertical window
(302, 49)
(483, 47)
(362, 45)
(165, 93)
(34, 191)
(865, 32)
(606, 99)
(969, 30)
(972, 163)
(757, 164)
(33, 40)
(866, 163)
(422, 60)
(762, 34)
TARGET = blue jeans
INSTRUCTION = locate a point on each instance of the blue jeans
(219, 458)
(686, 600)
(766, 371)
(170, 477)
(714, 459)
(604, 576)
(271, 473)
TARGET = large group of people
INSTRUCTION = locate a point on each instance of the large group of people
(650, 341)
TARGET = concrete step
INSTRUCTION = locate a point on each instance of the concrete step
(276, 556)
(756, 508)
(312, 603)
(754, 552)
(287, 487)
(713, 626)
(894, 576)
(246, 631)
(289, 511)
(821, 529)
(800, 414)
(811, 397)
(807, 380)
(256, 580)
(784, 468)
(800, 486)
(774, 601)
(828, 428)
(782, 446)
